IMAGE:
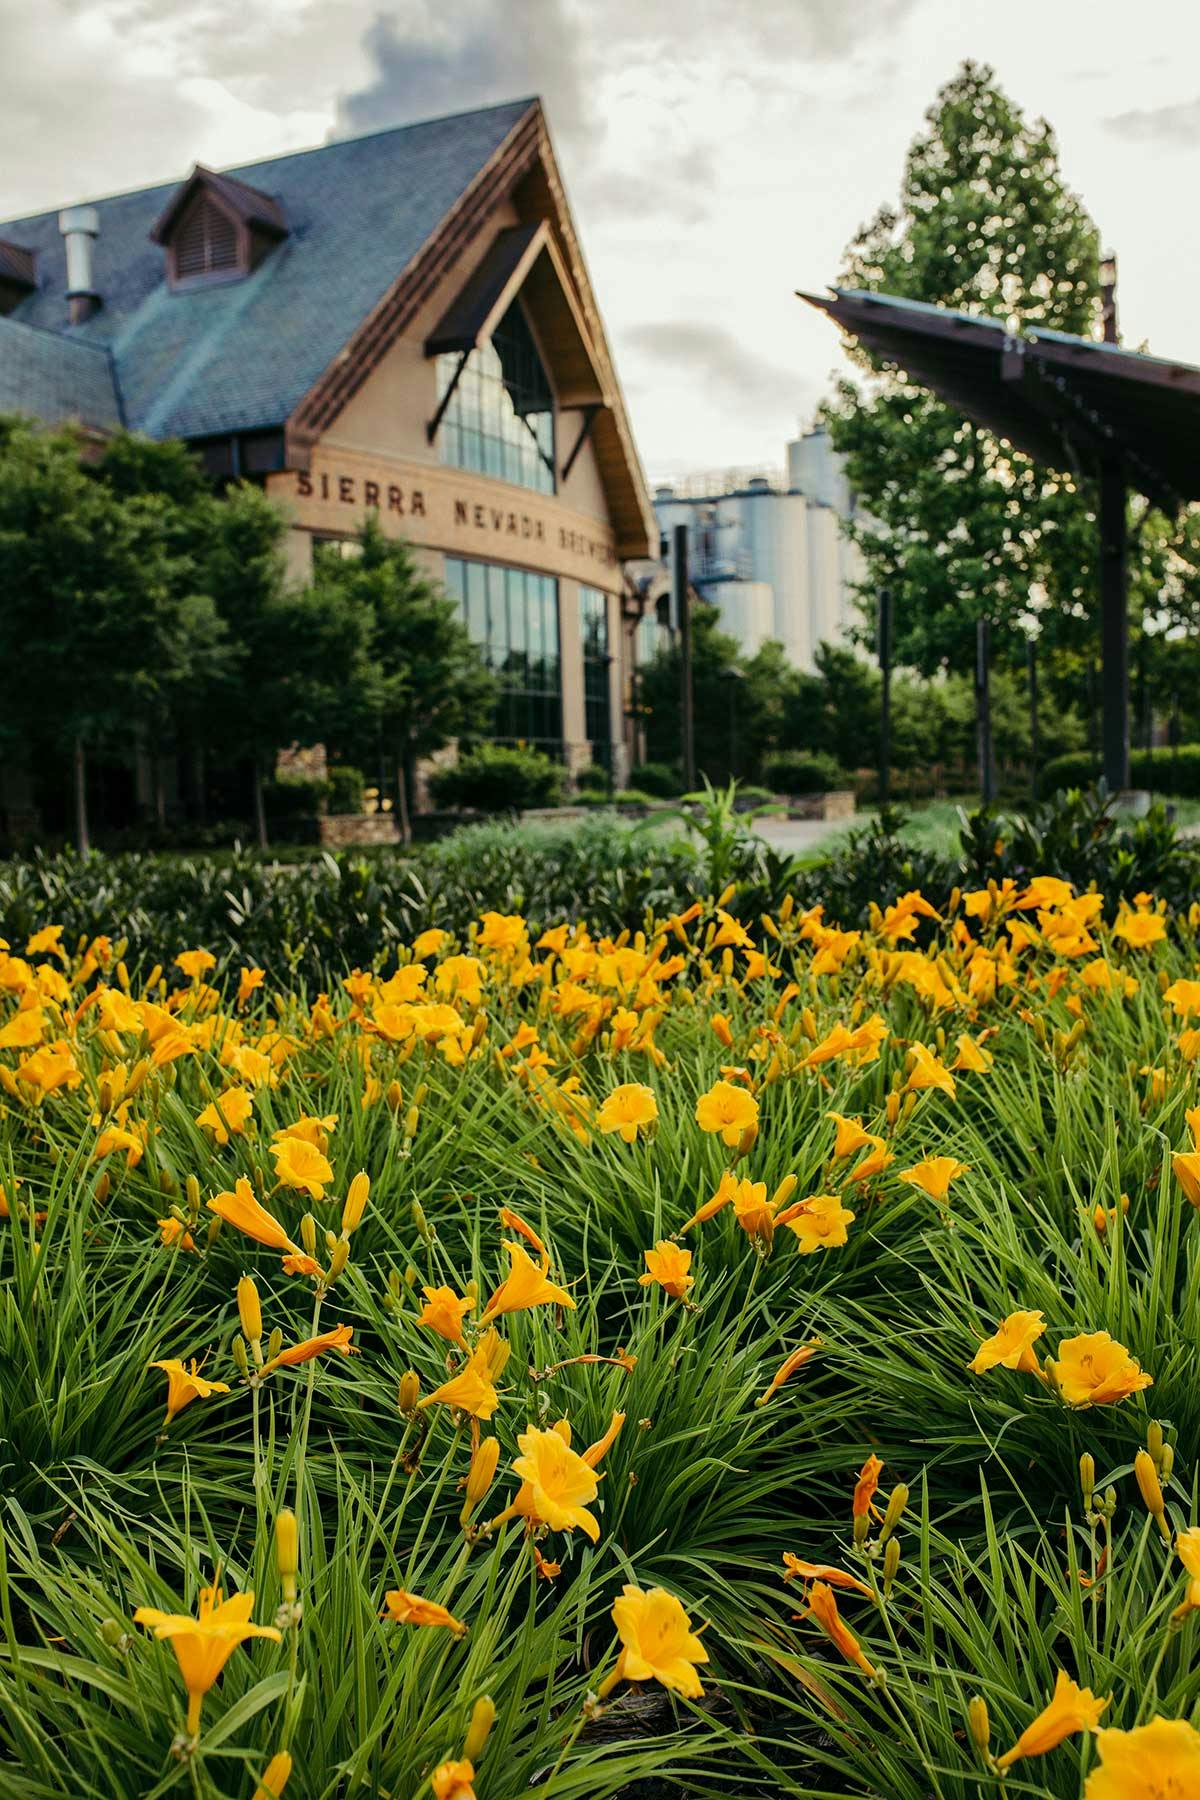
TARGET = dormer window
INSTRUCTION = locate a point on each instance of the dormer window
(205, 242)
(216, 228)
(18, 275)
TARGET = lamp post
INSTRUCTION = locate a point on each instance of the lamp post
(733, 678)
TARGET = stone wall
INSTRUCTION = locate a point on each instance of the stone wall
(342, 831)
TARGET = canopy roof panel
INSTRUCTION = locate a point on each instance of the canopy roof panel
(1069, 402)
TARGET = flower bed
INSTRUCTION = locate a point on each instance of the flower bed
(704, 1361)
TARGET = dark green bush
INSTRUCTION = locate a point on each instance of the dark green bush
(347, 788)
(593, 778)
(804, 772)
(495, 778)
(1163, 771)
(289, 797)
(662, 780)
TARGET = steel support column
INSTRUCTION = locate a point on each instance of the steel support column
(1114, 626)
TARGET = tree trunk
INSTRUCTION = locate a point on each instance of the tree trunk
(403, 790)
(199, 783)
(82, 840)
(260, 812)
(160, 793)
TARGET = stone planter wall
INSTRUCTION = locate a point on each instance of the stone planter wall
(838, 803)
(341, 831)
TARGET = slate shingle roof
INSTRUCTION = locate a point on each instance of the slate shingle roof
(240, 355)
(52, 378)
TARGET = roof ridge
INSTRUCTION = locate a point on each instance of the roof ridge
(332, 143)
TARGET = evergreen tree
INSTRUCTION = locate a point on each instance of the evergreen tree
(428, 683)
(956, 524)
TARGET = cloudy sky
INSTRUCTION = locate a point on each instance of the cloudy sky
(718, 153)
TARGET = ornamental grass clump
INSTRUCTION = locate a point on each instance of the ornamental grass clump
(754, 1360)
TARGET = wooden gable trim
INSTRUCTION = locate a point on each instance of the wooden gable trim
(411, 289)
(543, 194)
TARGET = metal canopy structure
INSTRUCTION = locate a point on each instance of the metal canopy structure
(1072, 404)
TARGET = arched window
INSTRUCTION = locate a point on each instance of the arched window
(500, 420)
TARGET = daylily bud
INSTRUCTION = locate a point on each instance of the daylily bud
(808, 1022)
(747, 1140)
(166, 1182)
(1168, 1462)
(480, 1475)
(420, 1221)
(114, 1634)
(356, 1202)
(1151, 1492)
(411, 1120)
(191, 1188)
(410, 1392)
(240, 1359)
(394, 1095)
(784, 1192)
(1087, 1478)
(249, 1309)
(308, 1234)
(103, 1187)
(862, 1526)
(483, 1715)
(897, 1501)
(1154, 1442)
(274, 1343)
(275, 1777)
(979, 1725)
(338, 1260)
(287, 1551)
(422, 1094)
(1110, 1503)
(891, 1562)
(893, 1107)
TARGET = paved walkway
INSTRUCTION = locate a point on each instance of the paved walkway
(798, 835)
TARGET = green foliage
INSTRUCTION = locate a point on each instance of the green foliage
(593, 778)
(347, 789)
(804, 772)
(663, 780)
(499, 778)
(426, 682)
(960, 527)
(1165, 771)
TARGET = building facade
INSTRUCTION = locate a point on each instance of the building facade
(770, 551)
(400, 325)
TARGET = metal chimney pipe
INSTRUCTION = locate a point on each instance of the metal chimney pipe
(80, 226)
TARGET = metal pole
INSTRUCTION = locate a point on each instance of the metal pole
(983, 711)
(885, 697)
(679, 587)
(1114, 627)
(1031, 661)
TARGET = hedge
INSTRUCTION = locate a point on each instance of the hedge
(1163, 771)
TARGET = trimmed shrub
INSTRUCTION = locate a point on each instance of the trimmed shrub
(347, 789)
(496, 778)
(662, 780)
(290, 797)
(1165, 771)
(804, 772)
(592, 779)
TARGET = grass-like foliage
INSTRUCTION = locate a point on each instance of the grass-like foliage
(700, 1362)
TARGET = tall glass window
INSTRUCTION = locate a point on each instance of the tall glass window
(597, 701)
(500, 420)
(512, 614)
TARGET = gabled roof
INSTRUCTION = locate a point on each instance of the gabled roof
(248, 204)
(374, 224)
(54, 379)
(240, 356)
